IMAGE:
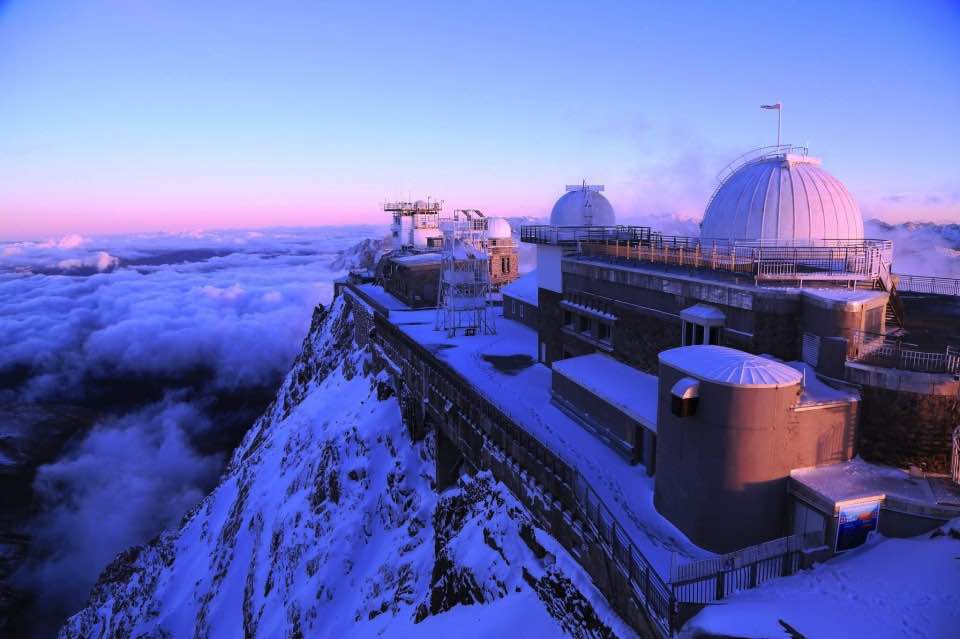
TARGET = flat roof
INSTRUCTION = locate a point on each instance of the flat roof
(417, 259)
(524, 394)
(524, 288)
(731, 367)
(381, 297)
(859, 480)
(629, 390)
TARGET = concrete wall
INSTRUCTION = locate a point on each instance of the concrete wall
(530, 313)
(623, 434)
(722, 474)
(903, 428)
(415, 287)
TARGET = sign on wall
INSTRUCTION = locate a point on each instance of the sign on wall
(855, 524)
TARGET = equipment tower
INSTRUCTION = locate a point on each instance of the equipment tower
(464, 276)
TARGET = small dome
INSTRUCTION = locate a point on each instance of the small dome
(782, 197)
(582, 207)
(420, 204)
(498, 228)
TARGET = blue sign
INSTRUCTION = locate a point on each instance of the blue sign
(855, 525)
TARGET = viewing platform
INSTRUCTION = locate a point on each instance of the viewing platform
(770, 261)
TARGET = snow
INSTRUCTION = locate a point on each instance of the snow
(525, 396)
(849, 295)
(383, 298)
(886, 588)
(417, 259)
(817, 392)
(523, 288)
(631, 391)
(859, 479)
(723, 365)
(703, 312)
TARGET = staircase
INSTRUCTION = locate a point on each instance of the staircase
(894, 319)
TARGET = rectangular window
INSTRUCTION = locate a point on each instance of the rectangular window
(513, 306)
(697, 334)
(521, 311)
(603, 332)
(584, 324)
(715, 335)
(687, 334)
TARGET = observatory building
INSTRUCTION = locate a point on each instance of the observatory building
(411, 269)
(582, 205)
(781, 197)
(773, 386)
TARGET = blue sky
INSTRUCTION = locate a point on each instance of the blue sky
(123, 115)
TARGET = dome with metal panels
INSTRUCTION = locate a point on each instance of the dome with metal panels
(781, 194)
(498, 228)
(582, 205)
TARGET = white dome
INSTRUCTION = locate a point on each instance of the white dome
(498, 228)
(582, 207)
(782, 197)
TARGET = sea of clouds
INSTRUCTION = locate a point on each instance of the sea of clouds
(166, 333)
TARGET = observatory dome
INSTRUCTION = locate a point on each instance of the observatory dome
(782, 197)
(498, 228)
(582, 207)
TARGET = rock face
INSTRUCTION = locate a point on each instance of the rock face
(326, 524)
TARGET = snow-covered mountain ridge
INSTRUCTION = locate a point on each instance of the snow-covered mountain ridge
(327, 523)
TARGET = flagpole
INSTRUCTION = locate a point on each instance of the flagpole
(779, 114)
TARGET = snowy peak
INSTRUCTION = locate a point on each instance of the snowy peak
(327, 523)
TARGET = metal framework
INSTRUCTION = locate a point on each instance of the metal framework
(464, 275)
(423, 214)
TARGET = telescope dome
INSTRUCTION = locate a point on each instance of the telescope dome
(498, 228)
(782, 197)
(582, 206)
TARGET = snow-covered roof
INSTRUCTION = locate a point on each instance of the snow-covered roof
(418, 258)
(857, 479)
(582, 207)
(816, 392)
(850, 298)
(631, 391)
(783, 197)
(703, 312)
(723, 365)
(523, 288)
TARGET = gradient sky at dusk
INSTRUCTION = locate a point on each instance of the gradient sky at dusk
(127, 115)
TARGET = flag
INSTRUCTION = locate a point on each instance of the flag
(771, 106)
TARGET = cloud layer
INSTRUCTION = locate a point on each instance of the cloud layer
(169, 339)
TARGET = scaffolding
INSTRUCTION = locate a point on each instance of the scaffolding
(464, 276)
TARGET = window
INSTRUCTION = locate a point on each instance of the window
(603, 332)
(584, 324)
(521, 311)
(567, 318)
(513, 306)
(714, 335)
(505, 264)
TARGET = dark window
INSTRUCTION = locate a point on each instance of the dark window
(521, 311)
(697, 334)
(603, 332)
(567, 318)
(584, 324)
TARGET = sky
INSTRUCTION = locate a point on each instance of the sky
(130, 116)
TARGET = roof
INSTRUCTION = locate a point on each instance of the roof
(582, 207)
(523, 288)
(632, 392)
(703, 312)
(857, 479)
(723, 365)
(782, 197)
(417, 259)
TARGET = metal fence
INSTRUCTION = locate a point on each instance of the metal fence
(713, 579)
(893, 352)
(927, 284)
(767, 260)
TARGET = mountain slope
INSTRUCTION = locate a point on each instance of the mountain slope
(326, 523)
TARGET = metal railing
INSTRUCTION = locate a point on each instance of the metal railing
(928, 284)
(765, 261)
(546, 234)
(713, 579)
(893, 352)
